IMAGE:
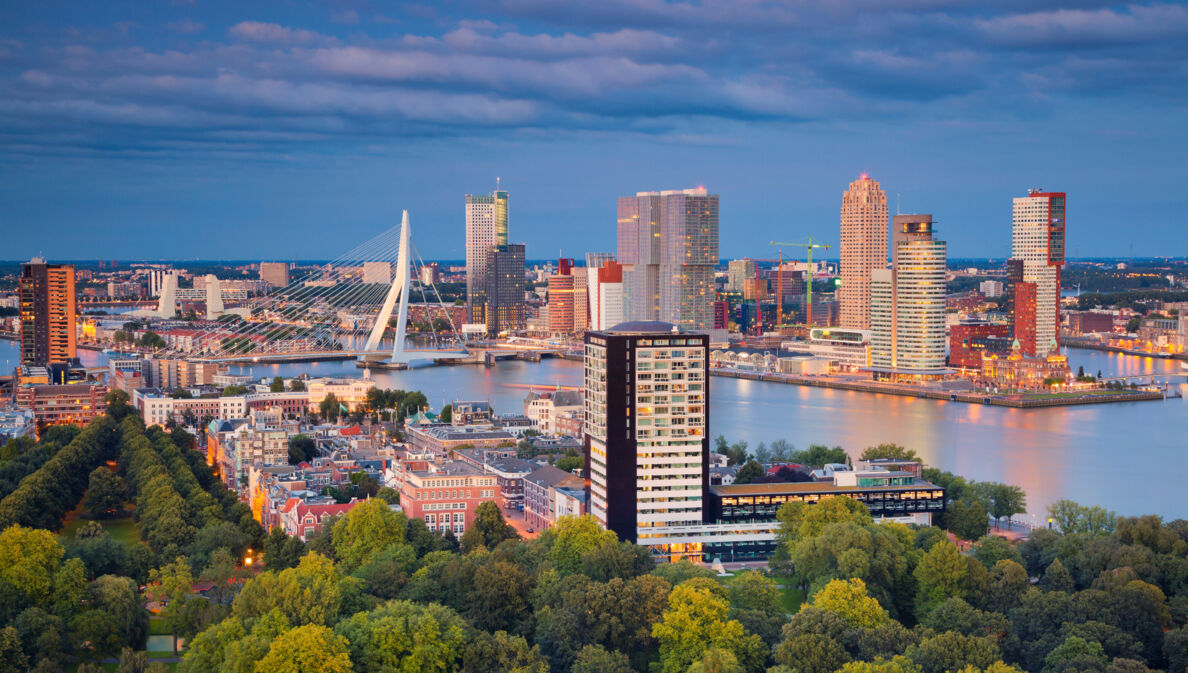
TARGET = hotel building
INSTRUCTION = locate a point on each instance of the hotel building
(48, 313)
(907, 309)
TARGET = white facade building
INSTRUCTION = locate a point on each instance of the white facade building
(1038, 240)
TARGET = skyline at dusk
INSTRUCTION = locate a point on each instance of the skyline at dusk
(292, 131)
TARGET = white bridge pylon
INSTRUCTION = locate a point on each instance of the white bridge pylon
(399, 290)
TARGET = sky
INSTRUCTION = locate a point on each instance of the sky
(297, 129)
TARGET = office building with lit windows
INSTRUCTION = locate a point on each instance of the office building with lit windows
(668, 246)
(504, 294)
(907, 309)
(48, 313)
(1038, 243)
(486, 228)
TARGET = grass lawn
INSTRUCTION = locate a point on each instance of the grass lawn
(791, 599)
(123, 529)
(157, 627)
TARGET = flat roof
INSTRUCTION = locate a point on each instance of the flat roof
(811, 487)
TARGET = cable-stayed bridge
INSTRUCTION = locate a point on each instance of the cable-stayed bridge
(343, 310)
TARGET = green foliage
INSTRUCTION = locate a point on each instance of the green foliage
(404, 637)
(306, 649)
(105, 493)
(369, 527)
(447, 414)
(1070, 517)
(233, 390)
(891, 451)
(598, 659)
(1075, 654)
(489, 528)
(991, 549)
(29, 560)
(749, 472)
(967, 519)
(940, 576)
(307, 594)
(696, 621)
(574, 536)
(848, 599)
(952, 651)
(277, 385)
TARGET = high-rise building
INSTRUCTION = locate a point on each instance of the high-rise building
(646, 435)
(581, 301)
(594, 262)
(863, 248)
(48, 313)
(668, 246)
(737, 272)
(561, 299)
(504, 294)
(486, 228)
(275, 274)
(907, 305)
(606, 296)
(1038, 242)
(430, 273)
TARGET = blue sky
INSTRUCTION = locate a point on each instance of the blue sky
(283, 130)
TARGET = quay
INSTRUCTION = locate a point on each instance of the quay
(1015, 400)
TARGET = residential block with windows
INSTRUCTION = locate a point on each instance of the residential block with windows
(446, 495)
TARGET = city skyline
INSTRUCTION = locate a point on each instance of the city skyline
(275, 130)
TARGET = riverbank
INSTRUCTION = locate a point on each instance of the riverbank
(1015, 400)
(1095, 345)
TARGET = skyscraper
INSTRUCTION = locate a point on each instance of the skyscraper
(504, 292)
(561, 298)
(594, 262)
(668, 246)
(486, 227)
(1038, 241)
(48, 313)
(737, 272)
(647, 428)
(907, 311)
(863, 248)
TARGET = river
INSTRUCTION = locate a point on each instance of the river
(1129, 457)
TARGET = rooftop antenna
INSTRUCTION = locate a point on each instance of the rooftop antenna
(897, 203)
(496, 183)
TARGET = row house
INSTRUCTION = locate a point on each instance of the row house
(440, 440)
(304, 518)
(541, 495)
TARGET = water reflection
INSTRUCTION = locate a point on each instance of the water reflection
(1127, 457)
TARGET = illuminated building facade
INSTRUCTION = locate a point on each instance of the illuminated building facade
(486, 228)
(969, 342)
(668, 246)
(504, 296)
(47, 313)
(907, 310)
(863, 248)
(1038, 241)
(646, 435)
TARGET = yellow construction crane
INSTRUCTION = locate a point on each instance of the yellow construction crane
(808, 285)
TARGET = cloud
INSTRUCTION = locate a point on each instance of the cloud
(186, 26)
(348, 16)
(271, 33)
(1086, 29)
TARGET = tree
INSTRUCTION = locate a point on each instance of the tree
(489, 527)
(574, 536)
(570, 463)
(939, 576)
(307, 649)
(501, 652)
(897, 664)
(1175, 649)
(810, 653)
(888, 451)
(29, 559)
(1076, 654)
(105, 493)
(717, 660)
(12, 657)
(277, 385)
(953, 651)
(737, 453)
(1057, 578)
(329, 407)
(152, 340)
(233, 390)
(367, 528)
(172, 584)
(696, 621)
(819, 455)
(848, 599)
(404, 637)
(447, 414)
(749, 472)
(297, 386)
(755, 603)
(1001, 500)
(967, 520)
(598, 659)
(958, 616)
(1071, 517)
(301, 449)
(991, 549)
(307, 594)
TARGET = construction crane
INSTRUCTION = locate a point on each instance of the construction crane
(808, 285)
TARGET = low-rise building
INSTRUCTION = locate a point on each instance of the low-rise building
(17, 423)
(969, 341)
(845, 349)
(544, 408)
(439, 440)
(1024, 372)
(304, 518)
(446, 495)
(540, 494)
(351, 393)
(70, 404)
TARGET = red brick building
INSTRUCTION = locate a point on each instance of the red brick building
(968, 341)
(301, 519)
(1089, 322)
(70, 404)
(1024, 316)
(446, 496)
